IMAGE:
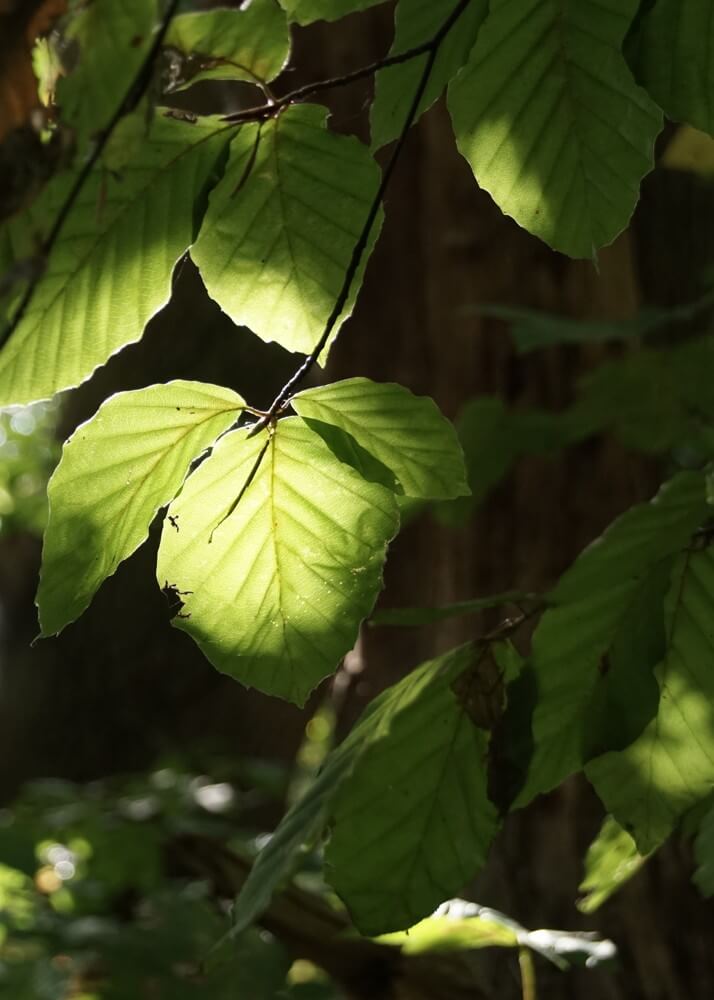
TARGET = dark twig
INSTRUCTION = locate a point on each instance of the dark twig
(260, 111)
(278, 404)
(129, 102)
(432, 48)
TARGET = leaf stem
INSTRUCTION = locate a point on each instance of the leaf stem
(130, 100)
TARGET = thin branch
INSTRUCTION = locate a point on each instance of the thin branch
(432, 48)
(129, 102)
(260, 111)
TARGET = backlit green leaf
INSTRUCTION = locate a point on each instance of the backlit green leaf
(251, 43)
(670, 767)
(612, 859)
(277, 589)
(676, 59)
(306, 11)
(113, 40)
(413, 824)
(549, 117)
(110, 270)
(594, 652)
(116, 471)
(417, 22)
(282, 224)
(410, 699)
(406, 433)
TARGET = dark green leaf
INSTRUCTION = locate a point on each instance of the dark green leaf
(670, 767)
(251, 43)
(676, 59)
(612, 859)
(416, 22)
(413, 824)
(584, 656)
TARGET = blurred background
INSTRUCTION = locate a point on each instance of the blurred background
(117, 739)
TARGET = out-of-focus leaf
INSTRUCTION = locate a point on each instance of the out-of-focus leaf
(112, 41)
(612, 859)
(704, 855)
(406, 617)
(676, 59)
(251, 43)
(307, 11)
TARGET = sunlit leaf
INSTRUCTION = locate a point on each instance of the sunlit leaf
(676, 59)
(110, 270)
(670, 767)
(276, 590)
(549, 117)
(416, 22)
(251, 43)
(612, 859)
(116, 471)
(112, 42)
(594, 652)
(413, 824)
(282, 224)
(306, 11)
(405, 433)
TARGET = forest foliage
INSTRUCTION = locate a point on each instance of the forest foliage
(277, 522)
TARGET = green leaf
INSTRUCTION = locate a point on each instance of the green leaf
(413, 824)
(595, 651)
(110, 270)
(116, 471)
(113, 40)
(532, 329)
(676, 59)
(305, 821)
(550, 119)
(670, 767)
(405, 433)
(493, 439)
(654, 400)
(427, 616)
(704, 855)
(417, 22)
(612, 859)
(282, 224)
(251, 43)
(307, 11)
(276, 589)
